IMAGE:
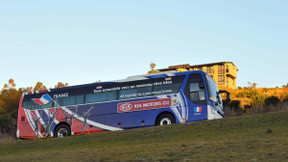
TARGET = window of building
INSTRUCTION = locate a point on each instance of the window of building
(221, 80)
(221, 69)
(227, 69)
(199, 68)
(210, 69)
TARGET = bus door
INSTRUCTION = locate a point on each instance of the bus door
(197, 104)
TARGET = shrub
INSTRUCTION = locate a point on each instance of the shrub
(6, 124)
(253, 93)
(242, 94)
(235, 104)
(257, 100)
(273, 100)
(285, 99)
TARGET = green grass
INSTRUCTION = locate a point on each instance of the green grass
(247, 138)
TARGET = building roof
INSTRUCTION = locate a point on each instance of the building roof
(174, 67)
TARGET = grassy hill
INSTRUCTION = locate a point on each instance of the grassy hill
(246, 138)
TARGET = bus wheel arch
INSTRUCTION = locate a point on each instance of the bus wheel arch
(165, 118)
(62, 130)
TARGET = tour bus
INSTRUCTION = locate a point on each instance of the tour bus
(138, 101)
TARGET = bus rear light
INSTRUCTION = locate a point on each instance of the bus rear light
(22, 118)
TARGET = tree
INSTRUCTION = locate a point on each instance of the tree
(10, 84)
(60, 84)
(39, 86)
(10, 101)
(252, 85)
(152, 67)
(29, 89)
(285, 86)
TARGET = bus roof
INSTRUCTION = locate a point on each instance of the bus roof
(128, 79)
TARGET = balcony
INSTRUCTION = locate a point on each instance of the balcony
(231, 73)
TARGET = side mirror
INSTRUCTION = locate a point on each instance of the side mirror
(227, 94)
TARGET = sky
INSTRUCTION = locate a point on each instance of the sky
(79, 42)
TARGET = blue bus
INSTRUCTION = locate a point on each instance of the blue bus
(139, 101)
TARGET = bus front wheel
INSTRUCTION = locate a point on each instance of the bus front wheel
(62, 130)
(165, 119)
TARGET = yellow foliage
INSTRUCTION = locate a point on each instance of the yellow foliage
(10, 84)
(246, 95)
(152, 67)
(39, 86)
(60, 84)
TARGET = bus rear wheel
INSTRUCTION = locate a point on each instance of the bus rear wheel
(165, 119)
(62, 130)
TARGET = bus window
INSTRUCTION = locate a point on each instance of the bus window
(131, 93)
(196, 93)
(195, 89)
(49, 105)
(165, 89)
(99, 97)
(30, 105)
(71, 100)
(212, 89)
(145, 91)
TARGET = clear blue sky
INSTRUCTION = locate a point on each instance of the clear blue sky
(89, 40)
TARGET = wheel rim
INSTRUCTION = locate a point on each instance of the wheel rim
(63, 132)
(165, 121)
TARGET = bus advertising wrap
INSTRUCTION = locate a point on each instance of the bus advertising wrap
(144, 105)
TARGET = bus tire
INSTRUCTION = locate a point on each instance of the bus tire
(62, 130)
(165, 119)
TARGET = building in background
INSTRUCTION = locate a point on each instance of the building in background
(224, 73)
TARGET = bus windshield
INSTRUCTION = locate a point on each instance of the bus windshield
(214, 95)
(212, 89)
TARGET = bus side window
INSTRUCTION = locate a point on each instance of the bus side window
(131, 93)
(71, 100)
(197, 92)
(166, 89)
(49, 105)
(145, 91)
(98, 97)
(195, 89)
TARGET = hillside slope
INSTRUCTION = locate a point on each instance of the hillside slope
(253, 137)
